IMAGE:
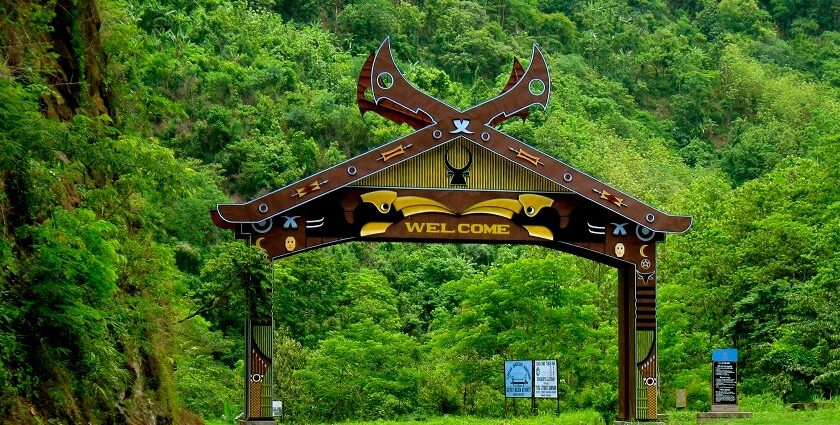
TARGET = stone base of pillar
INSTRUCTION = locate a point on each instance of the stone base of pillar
(258, 422)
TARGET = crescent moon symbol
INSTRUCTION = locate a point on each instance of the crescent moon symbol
(257, 243)
(642, 251)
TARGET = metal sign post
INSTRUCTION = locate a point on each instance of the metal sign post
(546, 380)
(519, 381)
(724, 387)
(725, 380)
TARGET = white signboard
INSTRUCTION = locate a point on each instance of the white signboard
(519, 378)
(545, 379)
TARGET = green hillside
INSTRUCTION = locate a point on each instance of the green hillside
(123, 122)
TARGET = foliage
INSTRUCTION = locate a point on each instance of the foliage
(528, 308)
(121, 302)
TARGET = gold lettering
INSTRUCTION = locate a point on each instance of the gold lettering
(414, 227)
(463, 228)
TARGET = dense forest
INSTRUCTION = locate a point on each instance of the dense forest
(122, 122)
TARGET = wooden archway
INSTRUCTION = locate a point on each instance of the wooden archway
(459, 179)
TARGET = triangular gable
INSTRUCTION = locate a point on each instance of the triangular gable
(461, 164)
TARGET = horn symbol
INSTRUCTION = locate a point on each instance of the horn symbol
(458, 175)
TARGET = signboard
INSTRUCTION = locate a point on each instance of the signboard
(519, 380)
(545, 379)
(725, 376)
(725, 355)
(682, 400)
(276, 408)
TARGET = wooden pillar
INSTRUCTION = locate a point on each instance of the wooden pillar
(259, 346)
(626, 342)
(647, 370)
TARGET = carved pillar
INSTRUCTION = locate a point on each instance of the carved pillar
(259, 349)
(647, 371)
(638, 382)
(626, 343)
(259, 346)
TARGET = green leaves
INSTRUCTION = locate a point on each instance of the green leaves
(531, 308)
(364, 371)
(106, 241)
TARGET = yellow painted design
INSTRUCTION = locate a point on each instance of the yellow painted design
(374, 228)
(509, 204)
(461, 228)
(410, 201)
(644, 403)
(534, 203)
(381, 199)
(644, 343)
(488, 171)
(397, 151)
(539, 232)
(306, 190)
(501, 212)
(651, 402)
(533, 159)
(420, 209)
(256, 395)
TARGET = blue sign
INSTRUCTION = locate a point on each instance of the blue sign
(519, 378)
(725, 355)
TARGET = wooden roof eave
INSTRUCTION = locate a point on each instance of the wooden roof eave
(337, 177)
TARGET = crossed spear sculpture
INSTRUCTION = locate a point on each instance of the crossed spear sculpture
(396, 99)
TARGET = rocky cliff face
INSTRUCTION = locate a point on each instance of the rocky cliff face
(53, 51)
(58, 45)
(77, 69)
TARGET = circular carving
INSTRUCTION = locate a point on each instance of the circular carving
(645, 264)
(385, 208)
(437, 134)
(530, 211)
(385, 80)
(352, 170)
(262, 226)
(485, 136)
(256, 377)
(536, 87)
(650, 217)
(263, 208)
(650, 381)
(567, 177)
(644, 233)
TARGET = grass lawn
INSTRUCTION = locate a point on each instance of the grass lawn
(767, 412)
(816, 417)
(583, 417)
